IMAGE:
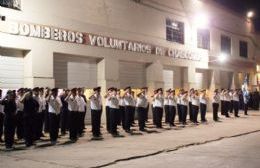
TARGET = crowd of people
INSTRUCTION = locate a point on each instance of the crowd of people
(29, 113)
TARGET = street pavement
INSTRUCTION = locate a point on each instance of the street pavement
(181, 146)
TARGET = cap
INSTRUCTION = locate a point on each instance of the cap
(20, 90)
(97, 89)
(145, 87)
(216, 90)
(128, 87)
(169, 90)
(54, 90)
(36, 89)
(110, 89)
(159, 89)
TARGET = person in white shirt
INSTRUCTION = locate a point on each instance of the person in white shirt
(178, 101)
(215, 104)
(141, 105)
(108, 94)
(114, 109)
(43, 109)
(54, 110)
(128, 99)
(19, 115)
(133, 104)
(195, 101)
(226, 101)
(166, 105)
(82, 103)
(121, 115)
(222, 103)
(74, 119)
(191, 92)
(231, 108)
(39, 114)
(1, 118)
(158, 105)
(172, 107)
(203, 105)
(96, 112)
(236, 102)
(152, 106)
(184, 106)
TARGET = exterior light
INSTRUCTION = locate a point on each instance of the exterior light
(222, 57)
(250, 14)
(201, 20)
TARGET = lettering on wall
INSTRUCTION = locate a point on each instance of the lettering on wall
(64, 35)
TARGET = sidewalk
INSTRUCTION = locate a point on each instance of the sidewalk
(86, 153)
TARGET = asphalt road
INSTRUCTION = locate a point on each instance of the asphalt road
(237, 152)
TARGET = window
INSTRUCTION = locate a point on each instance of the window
(243, 51)
(203, 39)
(225, 44)
(174, 31)
(14, 4)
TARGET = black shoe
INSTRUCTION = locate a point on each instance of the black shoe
(142, 130)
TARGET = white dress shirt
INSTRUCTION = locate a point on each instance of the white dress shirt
(203, 99)
(82, 104)
(141, 101)
(172, 100)
(216, 98)
(114, 102)
(96, 102)
(158, 100)
(72, 103)
(55, 105)
(195, 100)
(184, 100)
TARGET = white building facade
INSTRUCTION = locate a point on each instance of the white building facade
(88, 43)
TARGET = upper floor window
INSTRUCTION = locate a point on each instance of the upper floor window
(174, 31)
(203, 39)
(225, 44)
(14, 4)
(243, 49)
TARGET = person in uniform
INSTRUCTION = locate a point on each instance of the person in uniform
(121, 115)
(133, 104)
(215, 104)
(195, 101)
(55, 105)
(235, 98)
(172, 108)
(231, 108)
(9, 104)
(128, 99)
(145, 90)
(158, 105)
(226, 103)
(19, 115)
(81, 93)
(46, 115)
(1, 118)
(73, 106)
(246, 98)
(184, 106)
(43, 101)
(31, 107)
(114, 110)
(109, 91)
(178, 98)
(166, 105)
(191, 92)
(96, 112)
(39, 115)
(82, 103)
(203, 105)
(222, 102)
(141, 105)
(152, 106)
(64, 115)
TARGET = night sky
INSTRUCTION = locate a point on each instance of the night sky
(242, 6)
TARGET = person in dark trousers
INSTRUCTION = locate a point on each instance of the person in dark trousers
(222, 102)
(133, 104)
(203, 105)
(96, 112)
(235, 98)
(31, 107)
(178, 100)
(190, 104)
(55, 105)
(231, 108)
(141, 104)
(226, 103)
(10, 118)
(215, 104)
(158, 105)
(166, 105)
(64, 115)
(43, 109)
(128, 98)
(39, 114)
(172, 108)
(246, 98)
(121, 115)
(19, 115)
(46, 114)
(73, 106)
(1, 118)
(114, 110)
(109, 90)
(82, 103)
(195, 101)
(152, 106)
